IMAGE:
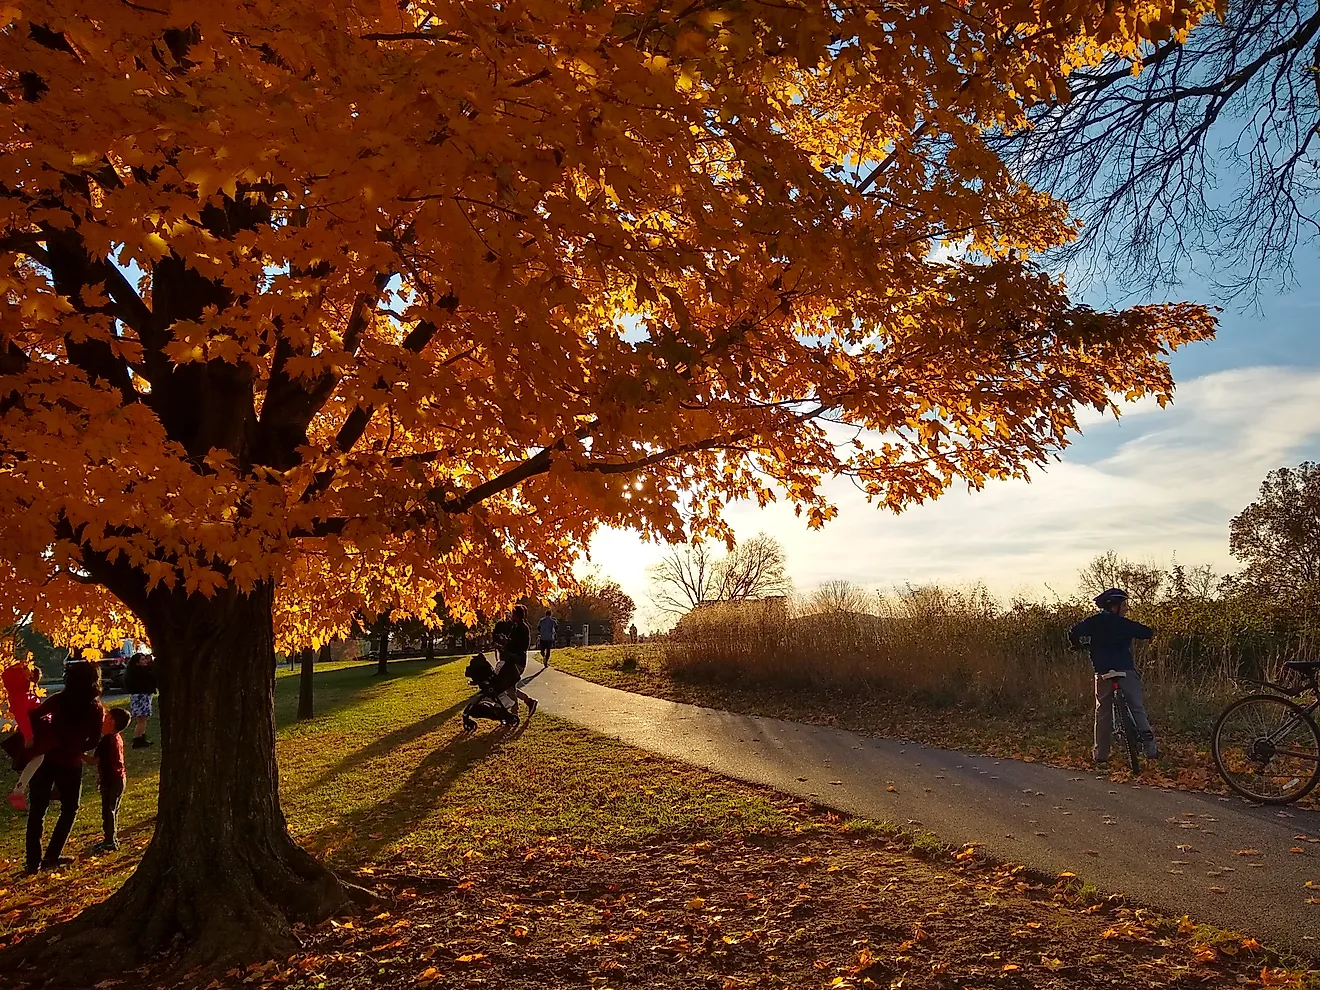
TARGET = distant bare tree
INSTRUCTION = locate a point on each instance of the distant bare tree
(1210, 151)
(689, 576)
(1199, 582)
(840, 597)
(1278, 535)
(1142, 581)
(684, 578)
(755, 569)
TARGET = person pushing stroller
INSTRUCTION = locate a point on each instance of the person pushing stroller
(494, 700)
(513, 638)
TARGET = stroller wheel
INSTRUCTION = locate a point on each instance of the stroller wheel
(469, 725)
(511, 720)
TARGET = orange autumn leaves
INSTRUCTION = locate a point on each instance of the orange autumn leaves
(377, 303)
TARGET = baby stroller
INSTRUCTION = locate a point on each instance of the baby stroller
(493, 684)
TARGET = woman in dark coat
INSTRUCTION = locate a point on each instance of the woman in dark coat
(66, 725)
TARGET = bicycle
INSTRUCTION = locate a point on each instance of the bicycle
(1125, 726)
(1267, 746)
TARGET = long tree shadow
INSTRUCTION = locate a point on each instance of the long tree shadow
(384, 745)
(346, 687)
(374, 827)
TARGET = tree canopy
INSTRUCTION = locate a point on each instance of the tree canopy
(449, 288)
(1278, 535)
(322, 308)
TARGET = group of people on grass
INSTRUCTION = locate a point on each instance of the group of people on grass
(57, 736)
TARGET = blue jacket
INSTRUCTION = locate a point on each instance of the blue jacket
(1108, 636)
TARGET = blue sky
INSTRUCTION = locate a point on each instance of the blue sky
(1156, 485)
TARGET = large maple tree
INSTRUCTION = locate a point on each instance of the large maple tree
(316, 308)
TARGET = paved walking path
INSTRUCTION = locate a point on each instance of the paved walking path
(1176, 851)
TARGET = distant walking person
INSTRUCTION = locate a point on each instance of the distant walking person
(546, 629)
(1108, 636)
(140, 680)
(66, 725)
(632, 634)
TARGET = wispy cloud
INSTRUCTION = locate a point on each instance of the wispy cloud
(1154, 484)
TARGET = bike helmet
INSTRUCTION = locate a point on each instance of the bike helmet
(1110, 597)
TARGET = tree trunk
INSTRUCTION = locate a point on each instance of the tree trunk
(221, 878)
(429, 644)
(383, 654)
(306, 706)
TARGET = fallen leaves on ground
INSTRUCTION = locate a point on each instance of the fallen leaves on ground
(752, 910)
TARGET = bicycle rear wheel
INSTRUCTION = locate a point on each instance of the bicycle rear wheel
(1267, 749)
(1128, 726)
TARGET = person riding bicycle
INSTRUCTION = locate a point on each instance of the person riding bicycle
(1108, 637)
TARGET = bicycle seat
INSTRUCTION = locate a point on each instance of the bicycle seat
(1302, 666)
(1110, 675)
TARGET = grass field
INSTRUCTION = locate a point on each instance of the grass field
(555, 857)
(384, 772)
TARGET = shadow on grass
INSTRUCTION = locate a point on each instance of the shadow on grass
(385, 745)
(360, 835)
(345, 687)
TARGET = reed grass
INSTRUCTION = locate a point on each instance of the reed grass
(960, 646)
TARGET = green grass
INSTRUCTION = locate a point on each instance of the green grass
(384, 773)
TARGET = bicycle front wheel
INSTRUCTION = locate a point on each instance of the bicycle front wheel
(1267, 749)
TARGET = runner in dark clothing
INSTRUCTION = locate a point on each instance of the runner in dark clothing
(66, 725)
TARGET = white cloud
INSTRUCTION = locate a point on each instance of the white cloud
(1154, 484)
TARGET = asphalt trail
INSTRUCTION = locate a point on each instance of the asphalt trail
(1174, 850)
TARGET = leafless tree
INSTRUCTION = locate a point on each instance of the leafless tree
(1278, 535)
(690, 576)
(684, 578)
(841, 597)
(1200, 582)
(755, 569)
(1142, 581)
(1209, 152)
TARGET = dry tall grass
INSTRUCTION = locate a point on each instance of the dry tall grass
(960, 646)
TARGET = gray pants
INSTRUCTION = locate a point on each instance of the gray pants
(1104, 713)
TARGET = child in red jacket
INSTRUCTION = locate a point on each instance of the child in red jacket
(20, 684)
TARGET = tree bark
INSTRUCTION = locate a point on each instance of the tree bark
(221, 877)
(429, 645)
(306, 703)
(383, 650)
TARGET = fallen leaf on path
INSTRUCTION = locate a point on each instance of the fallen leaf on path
(1279, 978)
(696, 904)
(474, 957)
(892, 789)
(1297, 849)
(1246, 852)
